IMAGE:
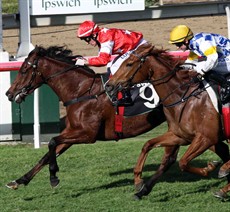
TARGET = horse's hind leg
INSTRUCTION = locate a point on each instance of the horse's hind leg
(26, 178)
(222, 150)
(224, 170)
(222, 193)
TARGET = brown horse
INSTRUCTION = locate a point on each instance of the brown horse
(90, 113)
(191, 116)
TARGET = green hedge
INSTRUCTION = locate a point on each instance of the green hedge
(9, 7)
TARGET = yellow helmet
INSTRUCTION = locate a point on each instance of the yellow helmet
(180, 33)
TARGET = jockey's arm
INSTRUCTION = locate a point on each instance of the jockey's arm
(104, 55)
(210, 62)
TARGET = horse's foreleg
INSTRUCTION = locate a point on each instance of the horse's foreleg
(169, 158)
(168, 140)
(26, 178)
(53, 166)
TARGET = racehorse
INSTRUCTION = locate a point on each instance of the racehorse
(192, 118)
(90, 113)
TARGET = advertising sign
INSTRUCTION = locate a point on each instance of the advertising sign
(55, 7)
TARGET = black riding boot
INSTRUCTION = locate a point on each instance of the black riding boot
(126, 99)
(225, 86)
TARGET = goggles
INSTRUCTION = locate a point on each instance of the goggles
(86, 39)
(179, 44)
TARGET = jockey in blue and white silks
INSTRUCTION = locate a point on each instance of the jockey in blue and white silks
(208, 52)
(214, 48)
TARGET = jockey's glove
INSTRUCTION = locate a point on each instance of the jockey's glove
(80, 62)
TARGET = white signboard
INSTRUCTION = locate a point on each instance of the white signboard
(54, 7)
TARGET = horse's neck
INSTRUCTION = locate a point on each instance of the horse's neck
(71, 84)
(172, 90)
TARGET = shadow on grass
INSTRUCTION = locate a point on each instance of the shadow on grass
(174, 174)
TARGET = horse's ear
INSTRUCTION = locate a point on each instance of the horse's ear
(146, 48)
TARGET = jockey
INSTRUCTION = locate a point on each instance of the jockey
(110, 41)
(214, 48)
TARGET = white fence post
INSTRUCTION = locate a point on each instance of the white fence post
(24, 49)
(25, 45)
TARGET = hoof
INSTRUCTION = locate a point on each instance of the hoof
(136, 197)
(12, 185)
(223, 173)
(215, 163)
(143, 192)
(54, 182)
(221, 195)
(139, 186)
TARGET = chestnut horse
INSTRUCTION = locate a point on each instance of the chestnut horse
(192, 118)
(90, 113)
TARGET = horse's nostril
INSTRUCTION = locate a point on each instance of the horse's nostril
(9, 95)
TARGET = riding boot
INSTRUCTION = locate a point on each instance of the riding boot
(225, 86)
(126, 99)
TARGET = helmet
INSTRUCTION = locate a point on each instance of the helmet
(87, 28)
(180, 33)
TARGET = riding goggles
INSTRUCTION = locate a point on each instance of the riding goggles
(179, 44)
(86, 39)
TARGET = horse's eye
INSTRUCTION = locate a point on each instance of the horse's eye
(23, 72)
(129, 64)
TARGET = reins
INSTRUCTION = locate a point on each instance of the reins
(59, 73)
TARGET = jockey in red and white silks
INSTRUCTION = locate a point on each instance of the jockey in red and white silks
(111, 41)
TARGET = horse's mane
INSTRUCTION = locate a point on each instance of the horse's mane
(172, 63)
(60, 53)
(166, 59)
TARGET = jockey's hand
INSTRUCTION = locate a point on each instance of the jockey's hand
(80, 62)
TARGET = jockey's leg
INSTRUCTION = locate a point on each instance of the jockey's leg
(224, 83)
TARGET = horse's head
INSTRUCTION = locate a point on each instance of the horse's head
(133, 70)
(27, 79)
(35, 71)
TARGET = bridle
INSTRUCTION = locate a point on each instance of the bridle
(26, 89)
